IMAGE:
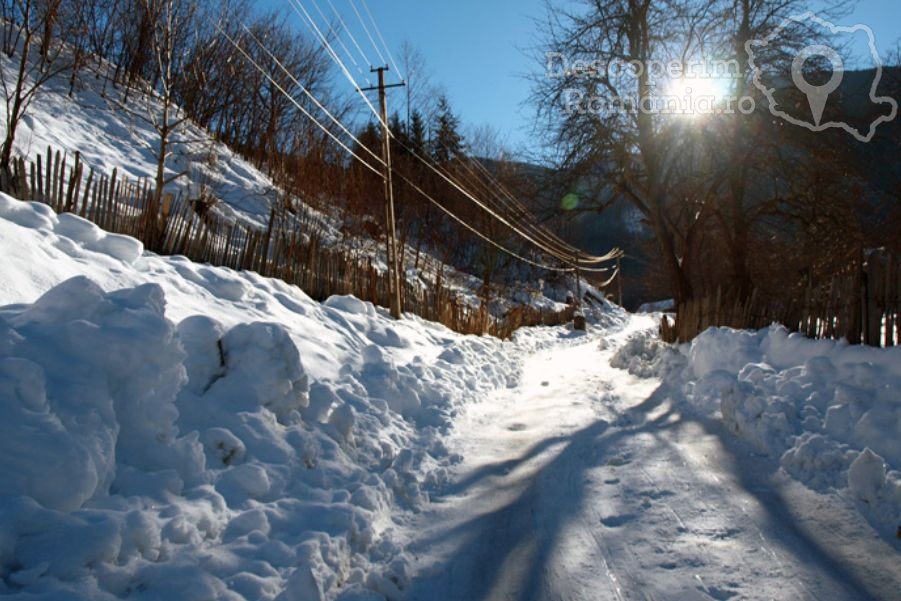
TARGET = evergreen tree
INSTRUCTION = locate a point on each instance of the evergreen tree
(398, 128)
(401, 140)
(447, 141)
(417, 132)
(371, 138)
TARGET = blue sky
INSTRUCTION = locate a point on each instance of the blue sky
(477, 50)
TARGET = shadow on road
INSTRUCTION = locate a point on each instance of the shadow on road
(506, 552)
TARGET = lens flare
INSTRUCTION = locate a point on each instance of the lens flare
(570, 202)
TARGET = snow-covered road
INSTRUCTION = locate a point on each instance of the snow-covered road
(586, 483)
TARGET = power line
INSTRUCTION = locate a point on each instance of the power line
(534, 230)
(302, 11)
(337, 35)
(300, 107)
(363, 161)
(366, 30)
(350, 34)
(517, 203)
(555, 252)
(309, 94)
(378, 32)
(564, 256)
(470, 228)
(520, 212)
(297, 5)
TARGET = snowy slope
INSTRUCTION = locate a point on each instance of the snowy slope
(94, 122)
(176, 431)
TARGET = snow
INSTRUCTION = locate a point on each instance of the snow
(108, 136)
(658, 306)
(178, 431)
(828, 411)
(613, 471)
(590, 482)
(866, 476)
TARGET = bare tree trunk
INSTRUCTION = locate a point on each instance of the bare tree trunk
(14, 113)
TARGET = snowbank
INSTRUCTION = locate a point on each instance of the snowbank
(830, 412)
(177, 431)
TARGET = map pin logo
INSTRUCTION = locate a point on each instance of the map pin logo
(817, 96)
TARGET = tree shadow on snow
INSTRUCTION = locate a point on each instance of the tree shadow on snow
(505, 553)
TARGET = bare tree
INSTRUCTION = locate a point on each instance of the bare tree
(420, 93)
(606, 100)
(25, 24)
(169, 39)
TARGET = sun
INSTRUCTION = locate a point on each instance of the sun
(716, 87)
(698, 96)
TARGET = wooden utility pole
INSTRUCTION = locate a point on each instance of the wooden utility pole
(578, 275)
(394, 270)
(579, 321)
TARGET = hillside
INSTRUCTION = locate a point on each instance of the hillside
(110, 135)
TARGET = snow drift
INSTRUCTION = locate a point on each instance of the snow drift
(172, 430)
(829, 412)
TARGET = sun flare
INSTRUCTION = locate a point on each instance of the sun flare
(698, 96)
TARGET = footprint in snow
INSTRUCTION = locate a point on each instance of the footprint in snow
(617, 521)
(516, 427)
(656, 495)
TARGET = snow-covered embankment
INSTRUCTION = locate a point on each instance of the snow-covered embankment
(829, 412)
(176, 431)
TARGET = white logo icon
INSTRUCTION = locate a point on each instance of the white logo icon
(818, 96)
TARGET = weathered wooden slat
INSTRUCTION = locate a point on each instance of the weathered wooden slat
(48, 178)
(87, 192)
(60, 183)
(74, 184)
(39, 196)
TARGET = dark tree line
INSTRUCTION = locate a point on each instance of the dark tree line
(435, 162)
(434, 135)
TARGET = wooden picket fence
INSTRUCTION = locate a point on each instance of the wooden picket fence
(862, 305)
(288, 249)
